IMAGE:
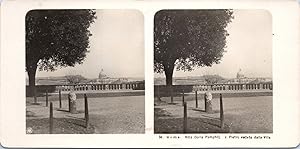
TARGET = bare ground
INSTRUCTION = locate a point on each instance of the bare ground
(61, 126)
(241, 115)
(107, 115)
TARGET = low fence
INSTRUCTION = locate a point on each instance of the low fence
(86, 87)
(217, 87)
(89, 87)
(164, 90)
(51, 117)
(185, 112)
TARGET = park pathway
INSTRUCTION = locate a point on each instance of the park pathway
(118, 115)
(241, 114)
(108, 115)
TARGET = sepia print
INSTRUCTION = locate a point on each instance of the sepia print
(85, 72)
(197, 74)
(213, 71)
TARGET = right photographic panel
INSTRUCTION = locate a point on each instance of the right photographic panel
(213, 71)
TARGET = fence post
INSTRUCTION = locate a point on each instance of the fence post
(196, 98)
(46, 98)
(182, 97)
(59, 96)
(221, 112)
(51, 119)
(184, 117)
(34, 95)
(158, 93)
(171, 91)
(205, 102)
(86, 111)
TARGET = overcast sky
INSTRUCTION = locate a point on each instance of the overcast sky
(249, 47)
(116, 46)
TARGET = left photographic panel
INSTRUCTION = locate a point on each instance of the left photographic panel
(85, 71)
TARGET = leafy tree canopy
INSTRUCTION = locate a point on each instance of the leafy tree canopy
(75, 79)
(189, 38)
(57, 37)
(213, 79)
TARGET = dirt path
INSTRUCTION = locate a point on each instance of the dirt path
(108, 114)
(241, 114)
(118, 114)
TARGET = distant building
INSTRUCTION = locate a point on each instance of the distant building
(241, 78)
(109, 80)
(240, 75)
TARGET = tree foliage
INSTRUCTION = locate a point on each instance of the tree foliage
(185, 39)
(213, 79)
(57, 37)
(75, 79)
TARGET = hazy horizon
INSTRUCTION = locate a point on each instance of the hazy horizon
(87, 77)
(156, 77)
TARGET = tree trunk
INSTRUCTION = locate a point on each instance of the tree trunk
(169, 74)
(31, 71)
